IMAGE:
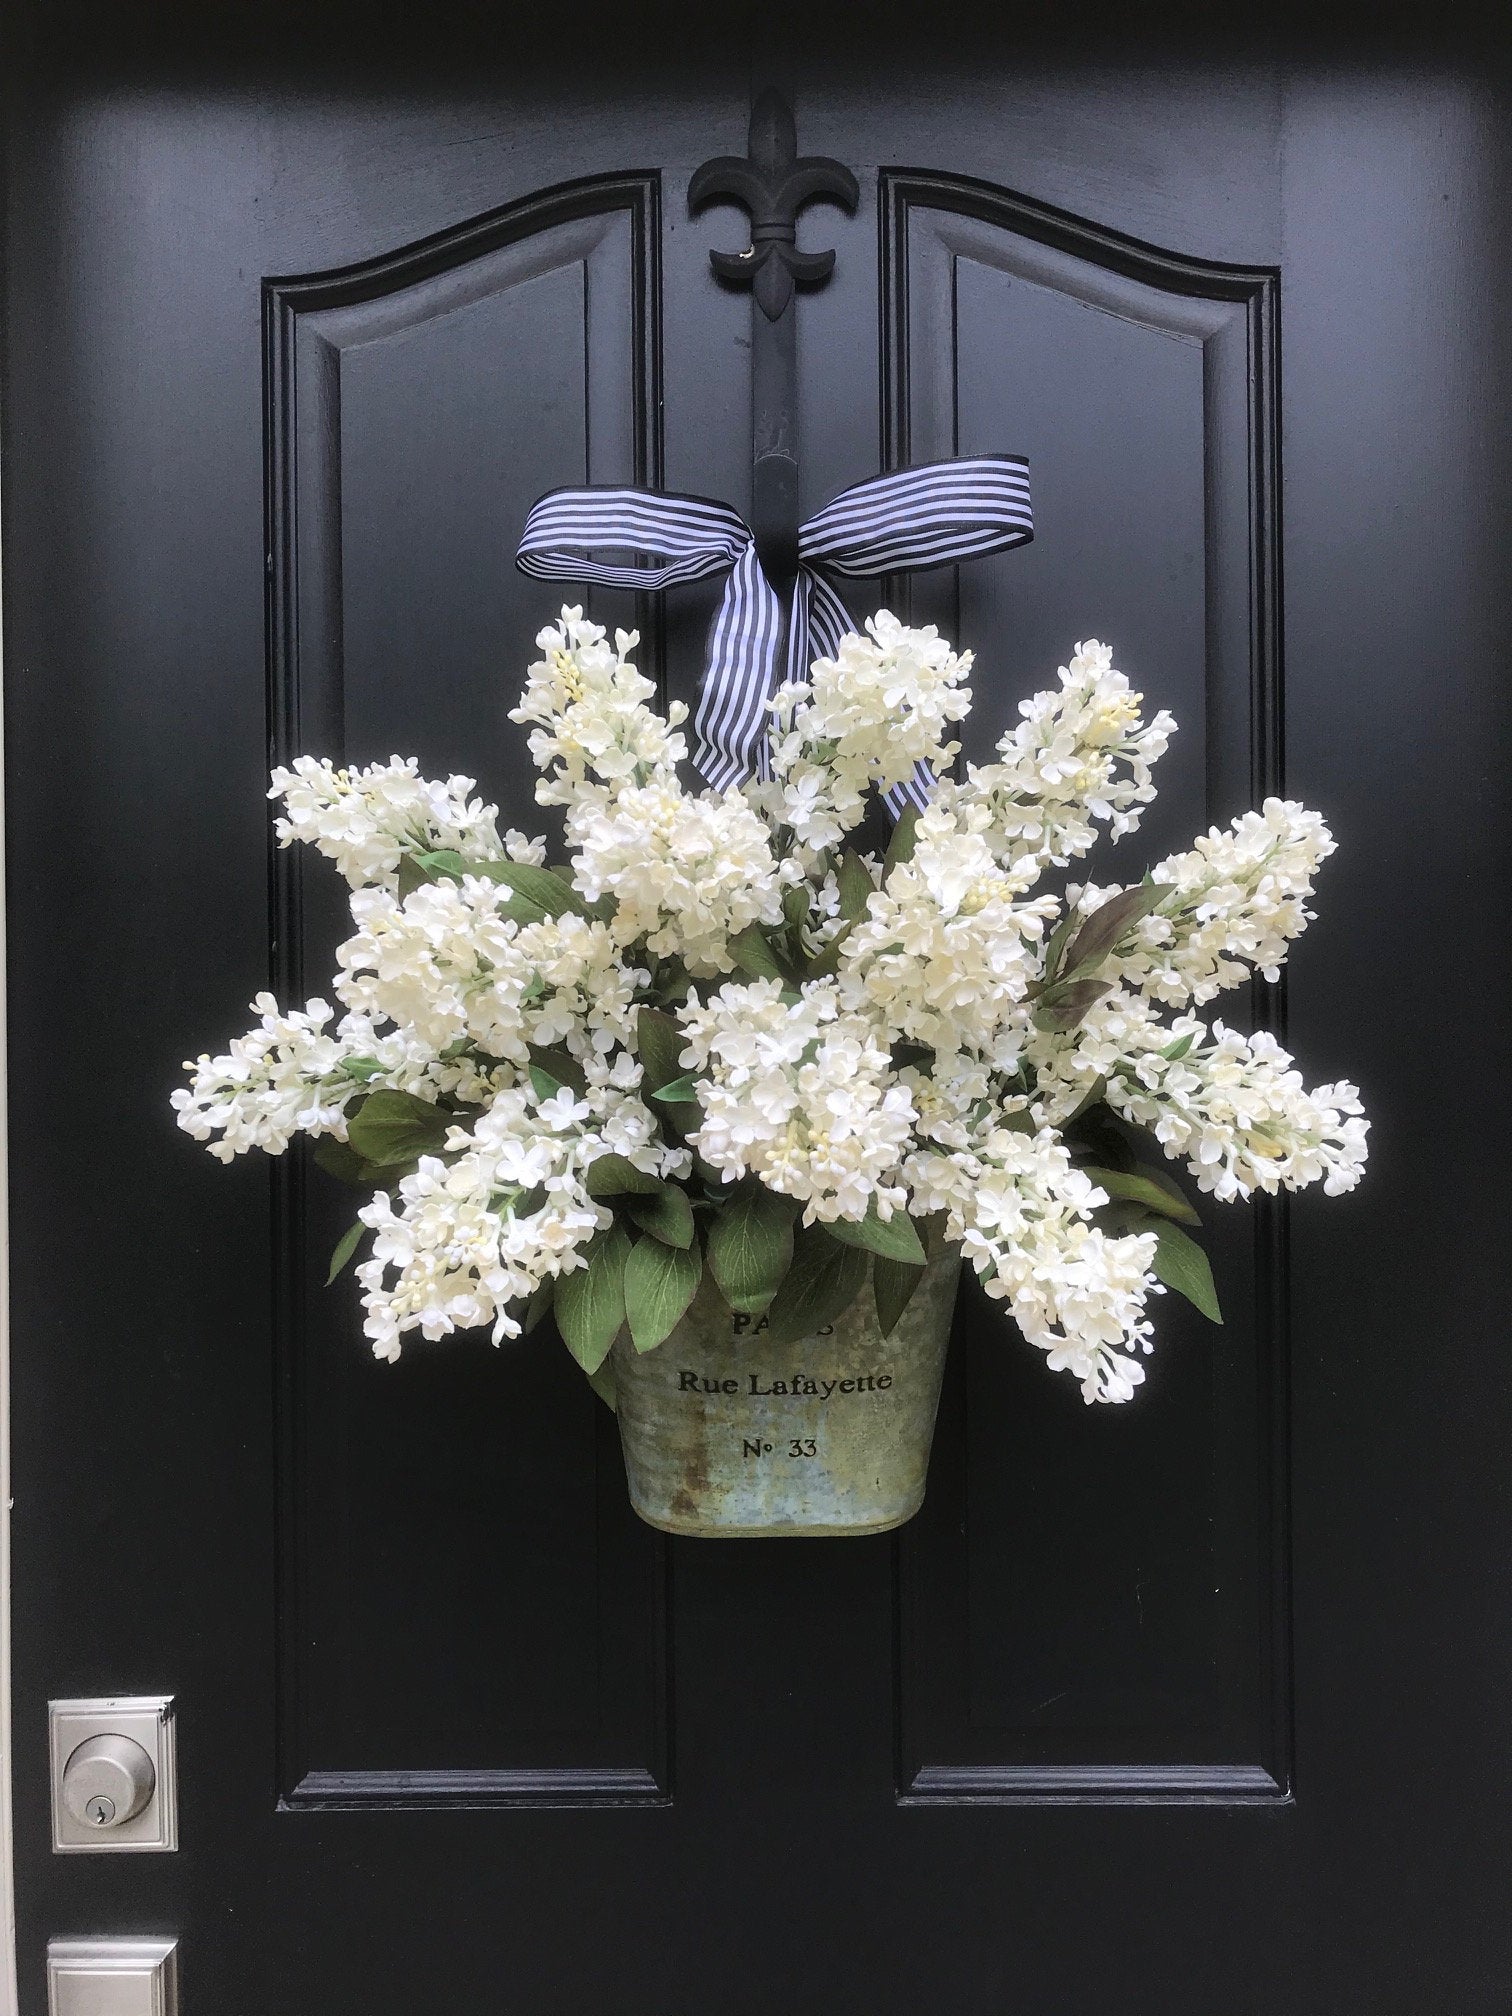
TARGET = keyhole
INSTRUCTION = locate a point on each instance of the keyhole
(101, 1810)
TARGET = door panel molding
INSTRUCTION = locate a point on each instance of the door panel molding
(1093, 1785)
(444, 1791)
(411, 402)
(962, 261)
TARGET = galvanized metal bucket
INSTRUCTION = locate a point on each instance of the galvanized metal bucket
(728, 1436)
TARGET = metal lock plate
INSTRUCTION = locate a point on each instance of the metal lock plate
(112, 1977)
(113, 1779)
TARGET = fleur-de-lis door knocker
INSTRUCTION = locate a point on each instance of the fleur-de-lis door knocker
(774, 183)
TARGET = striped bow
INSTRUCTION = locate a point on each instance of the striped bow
(908, 519)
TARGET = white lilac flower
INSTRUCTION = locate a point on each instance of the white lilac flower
(446, 963)
(589, 706)
(283, 1078)
(801, 1094)
(948, 948)
(1237, 900)
(865, 718)
(293, 1075)
(685, 874)
(1080, 757)
(1022, 1216)
(1237, 1112)
(366, 821)
(472, 1237)
(1233, 1108)
(454, 1255)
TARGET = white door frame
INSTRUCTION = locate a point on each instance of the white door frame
(7, 1880)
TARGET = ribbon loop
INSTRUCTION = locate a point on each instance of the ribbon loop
(904, 521)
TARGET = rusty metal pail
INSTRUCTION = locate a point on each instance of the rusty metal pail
(728, 1436)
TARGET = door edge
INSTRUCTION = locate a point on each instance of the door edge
(8, 2003)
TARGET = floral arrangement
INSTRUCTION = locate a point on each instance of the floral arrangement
(725, 1036)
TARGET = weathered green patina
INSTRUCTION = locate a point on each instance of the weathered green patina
(729, 1436)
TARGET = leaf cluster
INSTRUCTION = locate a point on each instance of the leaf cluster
(1143, 1197)
(1078, 948)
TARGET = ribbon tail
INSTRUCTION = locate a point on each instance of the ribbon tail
(829, 620)
(916, 791)
(731, 718)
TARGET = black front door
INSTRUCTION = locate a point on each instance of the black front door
(1187, 1708)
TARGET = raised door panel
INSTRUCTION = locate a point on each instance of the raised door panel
(1093, 1601)
(469, 1612)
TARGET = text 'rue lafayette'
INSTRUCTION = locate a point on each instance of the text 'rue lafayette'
(799, 1386)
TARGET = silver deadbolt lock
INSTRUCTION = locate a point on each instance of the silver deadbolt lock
(108, 1781)
(113, 1774)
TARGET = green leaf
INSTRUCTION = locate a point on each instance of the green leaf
(668, 1215)
(346, 1246)
(1062, 1006)
(1057, 944)
(340, 1160)
(896, 1238)
(660, 1282)
(893, 1284)
(1178, 1204)
(856, 890)
(1108, 923)
(1096, 1134)
(615, 1176)
(1118, 1219)
(827, 959)
(823, 1281)
(361, 1068)
(545, 891)
(561, 1065)
(411, 876)
(1093, 1096)
(754, 956)
(539, 1303)
(750, 1245)
(414, 869)
(795, 905)
(660, 1042)
(530, 901)
(391, 1127)
(1150, 1187)
(901, 846)
(671, 979)
(518, 1203)
(590, 1301)
(605, 1385)
(1182, 1265)
(855, 885)
(1174, 1052)
(543, 1084)
(915, 1056)
(444, 861)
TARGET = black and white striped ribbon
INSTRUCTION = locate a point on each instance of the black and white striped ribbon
(908, 519)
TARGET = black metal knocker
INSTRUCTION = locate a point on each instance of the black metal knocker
(774, 183)
(781, 603)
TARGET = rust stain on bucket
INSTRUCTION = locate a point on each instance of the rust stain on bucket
(727, 1435)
